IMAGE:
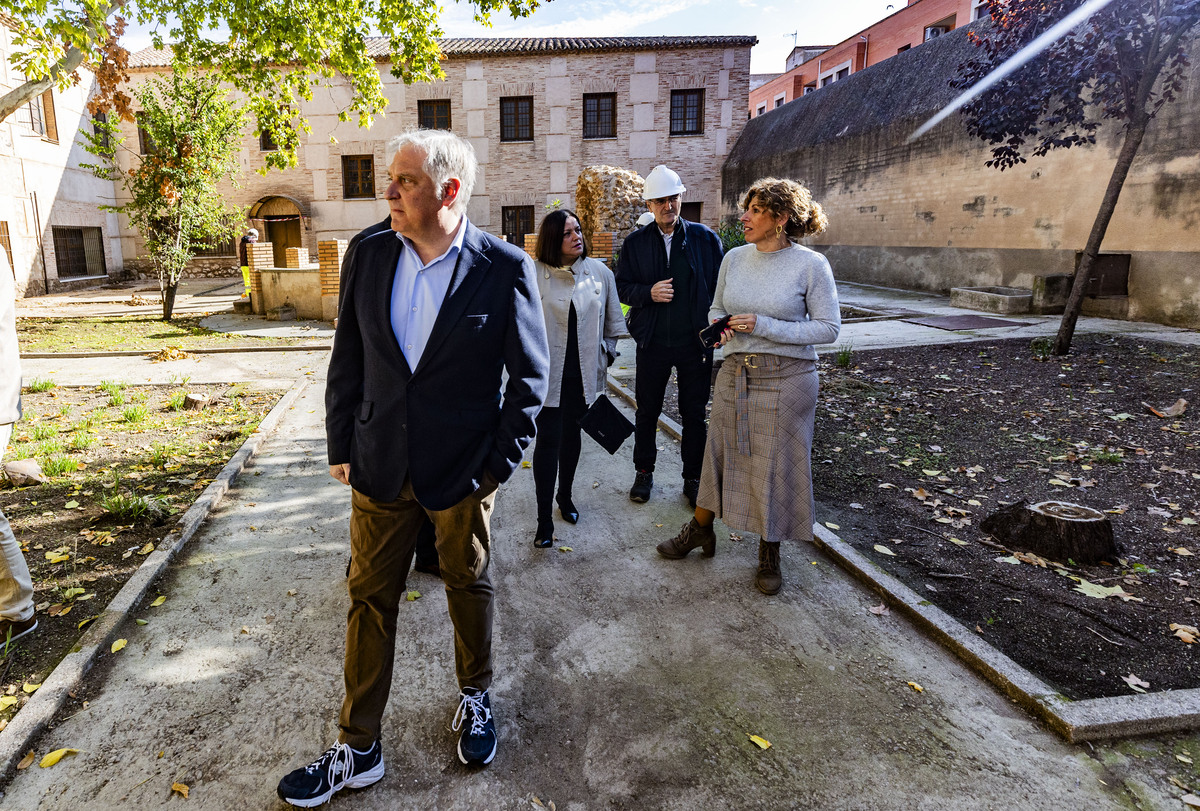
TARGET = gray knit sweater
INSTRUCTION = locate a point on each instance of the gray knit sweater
(791, 292)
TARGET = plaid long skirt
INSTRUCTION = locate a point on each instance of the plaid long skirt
(757, 474)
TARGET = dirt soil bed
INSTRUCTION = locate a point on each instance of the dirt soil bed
(915, 446)
(113, 451)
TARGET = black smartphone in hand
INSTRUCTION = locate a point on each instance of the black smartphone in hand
(710, 336)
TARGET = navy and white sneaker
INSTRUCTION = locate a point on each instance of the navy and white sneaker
(477, 741)
(340, 767)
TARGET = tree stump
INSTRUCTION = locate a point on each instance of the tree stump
(1057, 530)
(195, 402)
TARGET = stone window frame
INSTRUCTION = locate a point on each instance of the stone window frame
(779, 101)
(684, 102)
(430, 112)
(358, 177)
(598, 113)
(43, 120)
(762, 108)
(836, 73)
(512, 128)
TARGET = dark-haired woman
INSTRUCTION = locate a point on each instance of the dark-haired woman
(781, 299)
(583, 322)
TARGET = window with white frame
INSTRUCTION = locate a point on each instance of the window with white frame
(780, 99)
(978, 9)
(762, 108)
(834, 74)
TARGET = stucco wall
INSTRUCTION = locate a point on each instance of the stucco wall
(930, 215)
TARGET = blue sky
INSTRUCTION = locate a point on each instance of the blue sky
(814, 22)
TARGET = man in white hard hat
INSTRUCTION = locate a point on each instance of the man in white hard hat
(667, 274)
(248, 239)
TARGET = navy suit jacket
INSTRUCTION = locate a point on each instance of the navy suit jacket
(443, 424)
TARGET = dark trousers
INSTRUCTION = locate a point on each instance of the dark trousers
(693, 366)
(556, 452)
(382, 537)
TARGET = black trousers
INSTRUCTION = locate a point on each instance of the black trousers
(556, 452)
(693, 366)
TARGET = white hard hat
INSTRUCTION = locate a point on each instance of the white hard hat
(253, 232)
(645, 219)
(662, 182)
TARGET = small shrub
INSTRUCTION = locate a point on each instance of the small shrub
(135, 413)
(134, 508)
(55, 466)
(731, 233)
(40, 384)
(1041, 348)
(44, 430)
(843, 356)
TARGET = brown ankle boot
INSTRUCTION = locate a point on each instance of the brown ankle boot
(689, 537)
(768, 578)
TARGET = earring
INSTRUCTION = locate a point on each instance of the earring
(779, 230)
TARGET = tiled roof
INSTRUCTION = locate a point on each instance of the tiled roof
(377, 47)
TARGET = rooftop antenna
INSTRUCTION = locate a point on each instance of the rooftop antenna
(793, 35)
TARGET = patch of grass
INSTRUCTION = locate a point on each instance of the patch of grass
(115, 392)
(135, 413)
(65, 411)
(1041, 348)
(161, 453)
(176, 400)
(137, 332)
(44, 430)
(81, 441)
(128, 507)
(49, 447)
(89, 421)
(55, 466)
(1108, 457)
(843, 356)
(39, 384)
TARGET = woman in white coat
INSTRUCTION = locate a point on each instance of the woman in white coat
(583, 322)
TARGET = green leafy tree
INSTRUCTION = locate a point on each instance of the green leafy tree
(1123, 65)
(241, 44)
(193, 130)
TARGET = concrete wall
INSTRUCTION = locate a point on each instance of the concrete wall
(930, 215)
(534, 173)
(42, 185)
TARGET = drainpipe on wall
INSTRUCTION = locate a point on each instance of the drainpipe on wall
(866, 50)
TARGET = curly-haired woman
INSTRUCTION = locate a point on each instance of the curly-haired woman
(781, 300)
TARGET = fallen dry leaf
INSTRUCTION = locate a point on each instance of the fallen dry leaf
(916, 687)
(880, 610)
(30, 688)
(27, 761)
(1184, 759)
(1183, 551)
(1188, 633)
(566, 549)
(159, 600)
(412, 595)
(180, 789)
(832, 526)
(120, 643)
(55, 756)
(1134, 681)
(761, 743)
(1191, 800)
(883, 550)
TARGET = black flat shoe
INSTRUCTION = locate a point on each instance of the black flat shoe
(544, 536)
(567, 509)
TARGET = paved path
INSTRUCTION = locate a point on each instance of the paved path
(623, 680)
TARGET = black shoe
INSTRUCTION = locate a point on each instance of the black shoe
(428, 568)
(12, 630)
(566, 509)
(642, 482)
(691, 489)
(477, 743)
(544, 536)
(340, 767)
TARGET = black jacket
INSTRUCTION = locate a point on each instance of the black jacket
(443, 424)
(643, 263)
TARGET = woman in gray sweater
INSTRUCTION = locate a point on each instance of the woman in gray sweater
(780, 300)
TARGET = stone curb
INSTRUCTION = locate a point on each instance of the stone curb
(1085, 720)
(66, 677)
(137, 353)
(667, 425)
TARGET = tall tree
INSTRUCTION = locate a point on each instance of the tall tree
(1122, 65)
(190, 133)
(242, 44)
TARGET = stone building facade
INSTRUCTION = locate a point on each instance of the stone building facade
(929, 215)
(537, 111)
(50, 227)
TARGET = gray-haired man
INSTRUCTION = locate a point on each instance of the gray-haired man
(419, 424)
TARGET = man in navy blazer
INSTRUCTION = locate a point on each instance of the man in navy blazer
(419, 423)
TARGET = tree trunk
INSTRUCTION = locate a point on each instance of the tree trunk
(168, 298)
(1057, 530)
(1129, 149)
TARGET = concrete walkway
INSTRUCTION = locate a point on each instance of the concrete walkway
(623, 680)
